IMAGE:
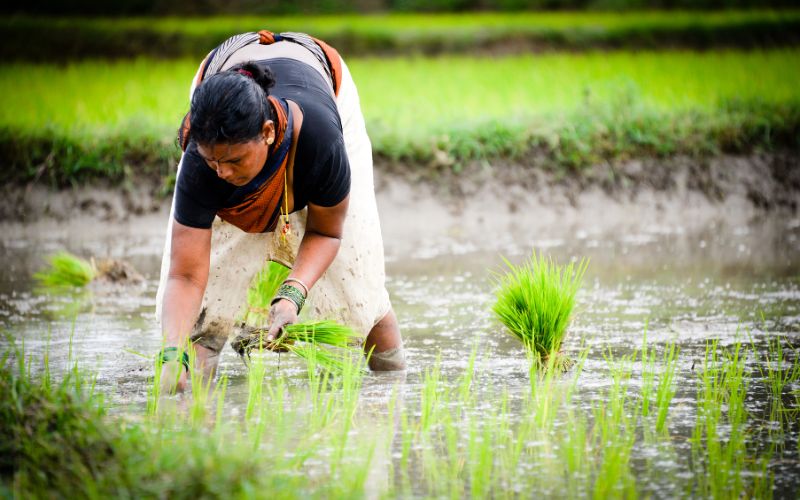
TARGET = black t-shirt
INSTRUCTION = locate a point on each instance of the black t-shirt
(321, 168)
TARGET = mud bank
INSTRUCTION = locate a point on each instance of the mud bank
(637, 191)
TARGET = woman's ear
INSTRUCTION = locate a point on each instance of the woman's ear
(268, 131)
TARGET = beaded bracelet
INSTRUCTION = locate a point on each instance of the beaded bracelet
(290, 293)
(171, 354)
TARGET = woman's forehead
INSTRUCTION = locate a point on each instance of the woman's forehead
(223, 151)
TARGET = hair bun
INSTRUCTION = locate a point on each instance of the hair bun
(261, 74)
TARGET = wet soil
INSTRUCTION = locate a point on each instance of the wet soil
(758, 182)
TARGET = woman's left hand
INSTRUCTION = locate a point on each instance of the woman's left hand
(282, 313)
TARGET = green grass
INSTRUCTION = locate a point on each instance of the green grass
(65, 270)
(405, 33)
(118, 120)
(535, 302)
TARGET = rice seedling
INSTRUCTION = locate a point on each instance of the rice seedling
(480, 454)
(614, 433)
(665, 390)
(431, 396)
(648, 374)
(65, 270)
(719, 439)
(535, 302)
(262, 290)
(256, 372)
(306, 340)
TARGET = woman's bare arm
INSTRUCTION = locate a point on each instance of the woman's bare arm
(320, 244)
(186, 284)
(186, 281)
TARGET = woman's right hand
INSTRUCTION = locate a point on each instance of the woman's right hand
(283, 312)
(174, 378)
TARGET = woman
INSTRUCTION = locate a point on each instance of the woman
(277, 165)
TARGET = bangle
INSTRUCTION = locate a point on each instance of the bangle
(295, 280)
(171, 354)
(291, 294)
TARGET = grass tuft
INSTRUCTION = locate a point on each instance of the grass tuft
(535, 302)
(65, 270)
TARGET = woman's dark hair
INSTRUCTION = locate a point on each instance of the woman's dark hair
(231, 107)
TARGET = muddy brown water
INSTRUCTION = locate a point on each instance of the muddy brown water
(689, 283)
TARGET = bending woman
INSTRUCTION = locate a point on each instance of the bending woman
(277, 166)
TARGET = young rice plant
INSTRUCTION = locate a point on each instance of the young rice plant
(535, 302)
(65, 270)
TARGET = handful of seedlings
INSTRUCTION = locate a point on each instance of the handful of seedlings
(65, 270)
(305, 340)
(535, 302)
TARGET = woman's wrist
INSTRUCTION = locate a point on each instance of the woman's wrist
(290, 293)
(298, 282)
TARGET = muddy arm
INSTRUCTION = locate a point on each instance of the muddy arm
(186, 283)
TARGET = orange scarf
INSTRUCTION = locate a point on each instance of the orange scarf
(256, 207)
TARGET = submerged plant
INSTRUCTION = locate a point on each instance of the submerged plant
(535, 302)
(65, 270)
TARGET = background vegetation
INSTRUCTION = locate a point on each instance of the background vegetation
(403, 34)
(99, 119)
(555, 89)
(128, 7)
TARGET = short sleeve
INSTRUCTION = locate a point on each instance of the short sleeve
(194, 206)
(331, 178)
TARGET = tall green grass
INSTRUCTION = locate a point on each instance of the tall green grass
(535, 302)
(106, 120)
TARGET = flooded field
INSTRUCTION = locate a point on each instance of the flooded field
(469, 418)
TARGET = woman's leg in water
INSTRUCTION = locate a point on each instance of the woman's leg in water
(384, 345)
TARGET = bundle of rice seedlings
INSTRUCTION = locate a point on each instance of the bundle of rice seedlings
(65, 270)
(301, 338)
(262, 290)
(535, 302)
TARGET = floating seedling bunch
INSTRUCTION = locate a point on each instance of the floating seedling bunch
(65, 270)
(535, 301)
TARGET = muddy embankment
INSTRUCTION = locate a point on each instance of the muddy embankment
(680, 190)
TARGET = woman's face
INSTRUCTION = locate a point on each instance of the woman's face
(238, 164)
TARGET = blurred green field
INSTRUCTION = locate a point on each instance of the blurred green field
(467, 107)
(409, 25)
(354, 34)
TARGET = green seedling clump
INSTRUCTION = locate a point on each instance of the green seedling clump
(310, 334)
(303, 338)
(65, 270)
(262, 290)
(535, 302)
